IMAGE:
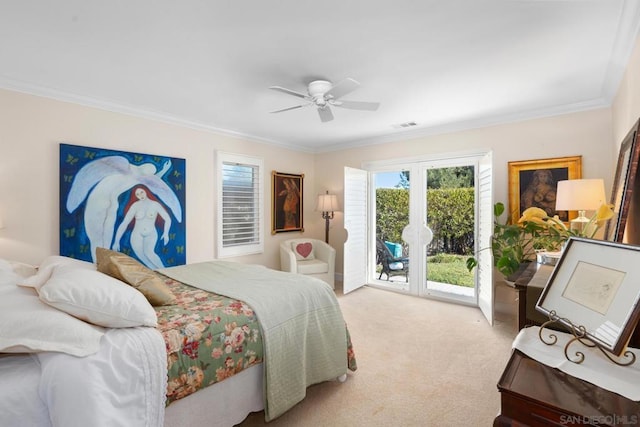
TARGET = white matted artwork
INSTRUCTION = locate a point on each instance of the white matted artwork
(596, 285)
(593, 286)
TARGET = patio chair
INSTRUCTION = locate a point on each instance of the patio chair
(391, 266)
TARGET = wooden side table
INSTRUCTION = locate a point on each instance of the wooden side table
(533, 394)
(536, 276)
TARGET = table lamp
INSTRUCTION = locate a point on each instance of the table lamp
(327, 204)
(580, 195)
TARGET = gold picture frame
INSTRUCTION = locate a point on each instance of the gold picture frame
(286, 196)
(535, 182)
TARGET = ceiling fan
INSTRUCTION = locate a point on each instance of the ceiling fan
(324, 94)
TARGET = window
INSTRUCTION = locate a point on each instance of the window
(240, 205)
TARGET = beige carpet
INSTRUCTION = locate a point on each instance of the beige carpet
(420, 363)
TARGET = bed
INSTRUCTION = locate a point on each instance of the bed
(80, 347)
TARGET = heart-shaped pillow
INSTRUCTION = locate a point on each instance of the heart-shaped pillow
(303, 251)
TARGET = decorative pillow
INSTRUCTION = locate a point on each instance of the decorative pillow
(130, 271)
(303, 250)
(97, 298)
(27, 325)
(48, 265)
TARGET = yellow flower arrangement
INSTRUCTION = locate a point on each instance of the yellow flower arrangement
(514, 244)
(602, 215)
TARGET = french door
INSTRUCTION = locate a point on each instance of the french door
(398, 217)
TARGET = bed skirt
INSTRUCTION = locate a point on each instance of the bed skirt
(224, 405)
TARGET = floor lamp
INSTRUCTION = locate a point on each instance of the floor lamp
(327, 204)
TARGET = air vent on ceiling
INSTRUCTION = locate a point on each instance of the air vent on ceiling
(405, 125)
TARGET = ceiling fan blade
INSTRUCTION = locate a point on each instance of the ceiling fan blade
(342, 88)
(290, 108)
(325, 114)
(290, 92)
(358, 105)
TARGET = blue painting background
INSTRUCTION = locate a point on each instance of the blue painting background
(74, 241)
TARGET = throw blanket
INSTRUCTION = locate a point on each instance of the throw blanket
(304, 333)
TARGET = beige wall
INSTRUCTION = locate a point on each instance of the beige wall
(587, 134)
(31, 129)
(626, 105)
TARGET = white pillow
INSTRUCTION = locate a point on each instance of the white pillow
(97, 298)
(48, 265)
(8, 277)
(27, 325)
(4, 265)
(21, 269)
(303, 250)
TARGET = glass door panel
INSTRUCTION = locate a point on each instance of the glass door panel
(450, 214)
(392, 202)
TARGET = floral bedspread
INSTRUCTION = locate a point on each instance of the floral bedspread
(209, 337)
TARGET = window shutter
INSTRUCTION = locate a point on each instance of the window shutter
(240, 206)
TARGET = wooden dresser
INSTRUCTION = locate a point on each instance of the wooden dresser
(533, 394)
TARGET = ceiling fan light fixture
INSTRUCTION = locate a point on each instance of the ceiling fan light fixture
(318, 88)
(323, 93)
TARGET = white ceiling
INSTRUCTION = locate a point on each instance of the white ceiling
(445, 65)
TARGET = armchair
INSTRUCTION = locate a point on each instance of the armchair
(310, 257)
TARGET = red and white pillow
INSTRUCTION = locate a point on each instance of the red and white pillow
(303, 250)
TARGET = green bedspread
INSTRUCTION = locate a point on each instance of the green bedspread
(304, 333)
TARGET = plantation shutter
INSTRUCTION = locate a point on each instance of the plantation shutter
(241, 208)
(483, 237)
(355, 222)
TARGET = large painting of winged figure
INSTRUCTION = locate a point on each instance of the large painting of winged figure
(128, 202)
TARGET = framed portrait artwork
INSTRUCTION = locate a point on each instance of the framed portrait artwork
(595, 285)
(623, 197)
(287, 192)
(534, 183)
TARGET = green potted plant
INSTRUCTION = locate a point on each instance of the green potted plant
(513, 245)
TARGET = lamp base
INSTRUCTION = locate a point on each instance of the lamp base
(326, 230)
(581, 225)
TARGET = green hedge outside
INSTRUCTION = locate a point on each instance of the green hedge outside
(451, 217)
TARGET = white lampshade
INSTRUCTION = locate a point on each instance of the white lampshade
(580, 195)
(327, 203)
